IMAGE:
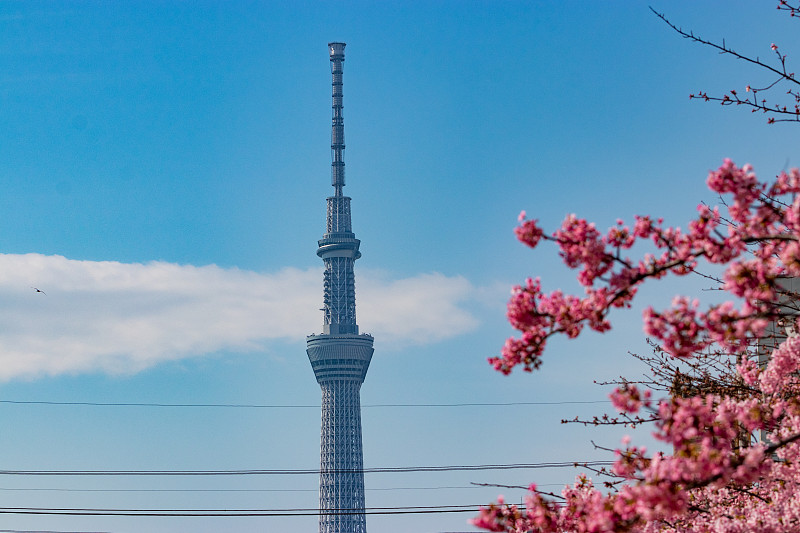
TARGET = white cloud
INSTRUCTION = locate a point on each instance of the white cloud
(119, 318)
(418, 310)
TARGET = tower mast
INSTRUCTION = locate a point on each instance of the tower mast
(340, 356)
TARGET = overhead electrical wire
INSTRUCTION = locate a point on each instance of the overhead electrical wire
(45, 531)
(70, 511)
(281, 472)
(283, 406)
(368, 489)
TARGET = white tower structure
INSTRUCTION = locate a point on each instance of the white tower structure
(340, 356)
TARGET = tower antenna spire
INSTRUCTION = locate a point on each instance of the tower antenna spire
(340, 356)
(337, 129)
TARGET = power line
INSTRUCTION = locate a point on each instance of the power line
(433, 509)
(45, 531)
(248, 472)
(368, 489)
(283, 406)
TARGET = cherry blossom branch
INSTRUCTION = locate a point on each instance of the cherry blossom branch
(732, 97)
(723, 48)
(784, 5)
(537, 491)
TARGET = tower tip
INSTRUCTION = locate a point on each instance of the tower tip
(336, 49)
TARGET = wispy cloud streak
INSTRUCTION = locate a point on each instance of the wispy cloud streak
(120, 318)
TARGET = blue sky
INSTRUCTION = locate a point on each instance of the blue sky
(164, 168)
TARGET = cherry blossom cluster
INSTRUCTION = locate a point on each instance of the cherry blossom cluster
(758, 243)
(629, 399)
(717, 478)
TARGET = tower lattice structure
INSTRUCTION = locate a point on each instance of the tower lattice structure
(340, 356)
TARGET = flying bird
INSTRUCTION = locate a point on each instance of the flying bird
(39, 290)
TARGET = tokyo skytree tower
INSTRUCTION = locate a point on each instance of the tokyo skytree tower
(340, 356)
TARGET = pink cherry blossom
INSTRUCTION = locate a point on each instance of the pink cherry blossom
(716, 478)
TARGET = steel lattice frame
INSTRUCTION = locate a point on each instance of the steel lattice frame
(340, 296)
(341, 482)
(338, 214)
(340, 356)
